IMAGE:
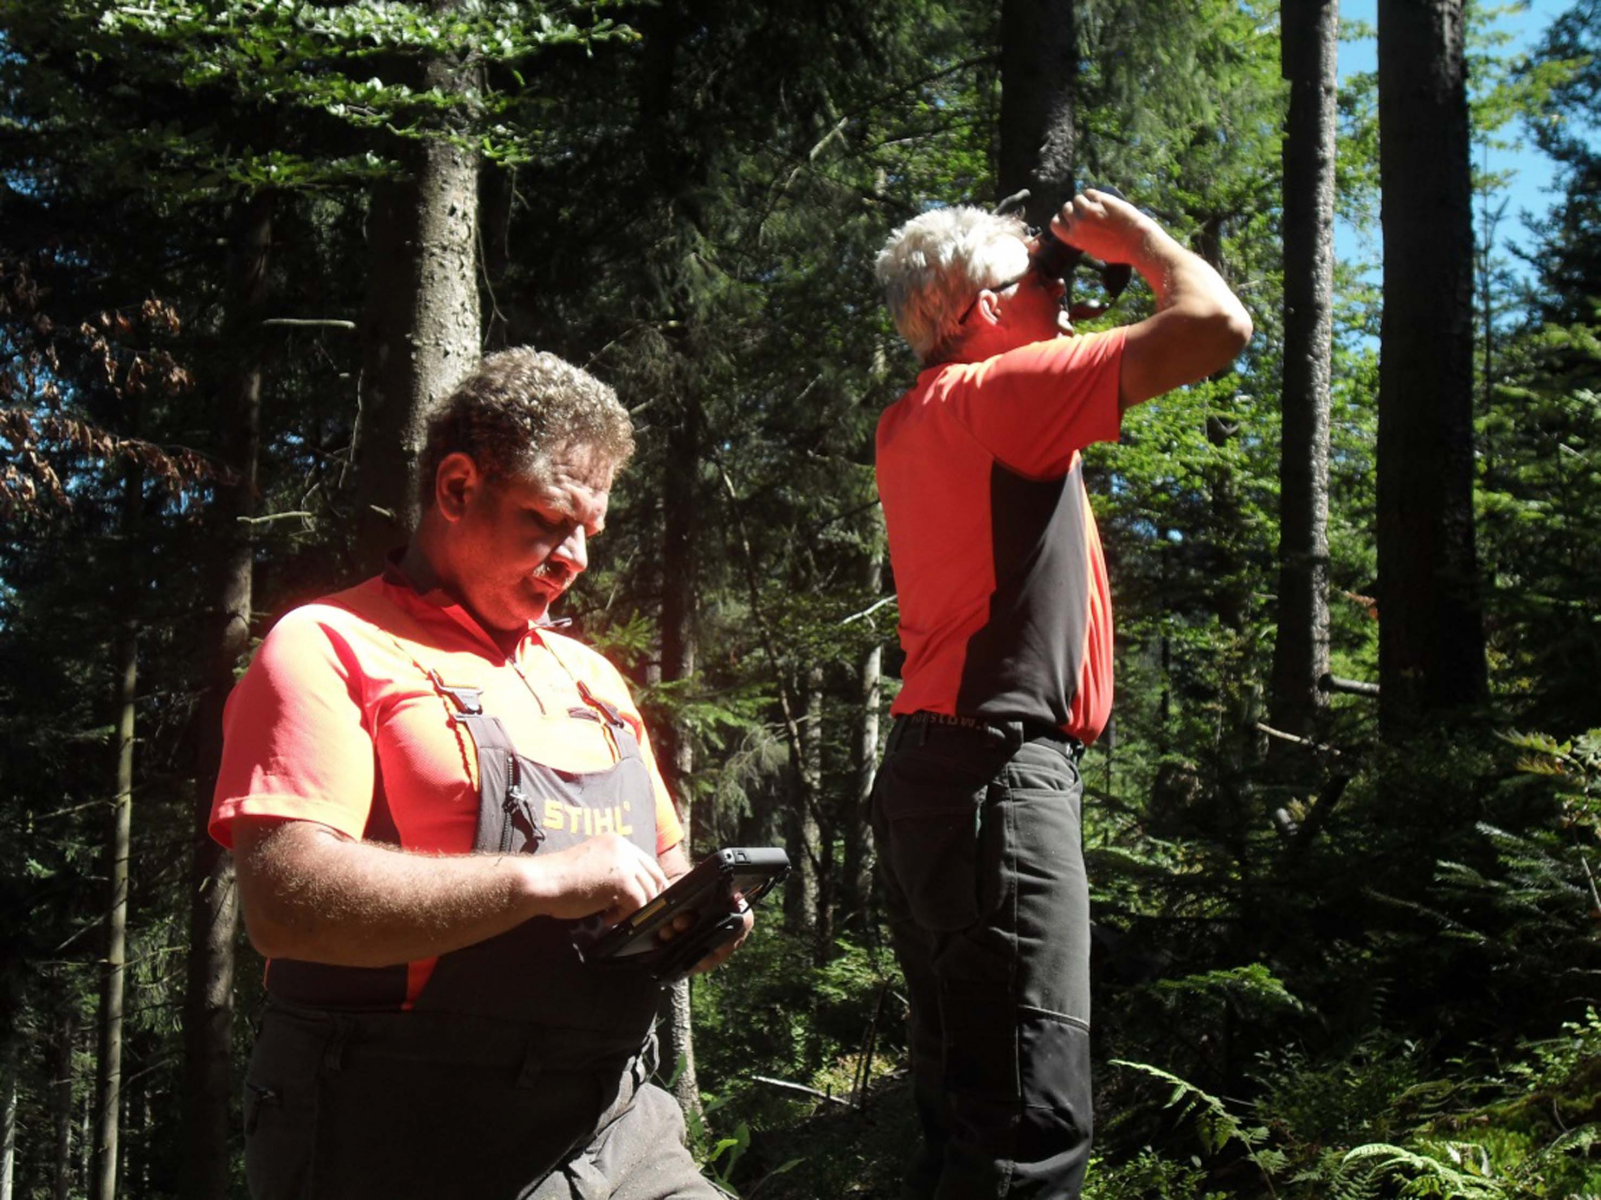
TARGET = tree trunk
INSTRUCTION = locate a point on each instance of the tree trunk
(108, 1076)
(818, 833)
(1301, 651)
(421, 325)
(8, 1119)
(856, 886)
(678, 1050)
(213, 901)
(802, 836)
(805, 781)
(136, 1124)
(61, 1095)
(1431, 630)
(1039, 68)
(86, 1138)
(680, 513)
(680, 530)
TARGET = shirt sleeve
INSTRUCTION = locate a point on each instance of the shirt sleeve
(296, 743)
(669, 829)
(1032, 407)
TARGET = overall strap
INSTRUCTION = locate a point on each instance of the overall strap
(622, 732)
(502, 799)
(468, 711)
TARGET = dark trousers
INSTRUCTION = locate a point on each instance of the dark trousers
(983, 869)
(438, 1107)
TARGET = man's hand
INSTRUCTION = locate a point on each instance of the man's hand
(606, 875)
(1112, 230)
(675, 862)
(719, 954)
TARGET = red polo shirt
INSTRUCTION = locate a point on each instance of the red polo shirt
(337, 721)
(1004, 607)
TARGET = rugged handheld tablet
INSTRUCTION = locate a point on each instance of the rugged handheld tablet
(717, 892)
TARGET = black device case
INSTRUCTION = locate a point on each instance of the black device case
(708, 891)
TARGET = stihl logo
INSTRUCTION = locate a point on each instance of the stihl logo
(591, 822)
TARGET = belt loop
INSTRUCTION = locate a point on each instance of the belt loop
(922, 733)
(333, 1051)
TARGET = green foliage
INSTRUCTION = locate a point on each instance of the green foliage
(1503, 88)
(1366, 1091)
(1148, 1176)
(717, 1156)
(1253, 988)
(1450, 1169)
(356, 64)
(771, 1006)
(1542, 433)
(1562, 1060)
(1369, 1124)
(1215, 1126)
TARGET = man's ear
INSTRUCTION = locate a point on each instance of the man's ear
(456, 482)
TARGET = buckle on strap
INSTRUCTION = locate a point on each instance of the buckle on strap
(613, 717)
(468, 700)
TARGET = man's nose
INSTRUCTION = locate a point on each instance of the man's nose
(574, 550)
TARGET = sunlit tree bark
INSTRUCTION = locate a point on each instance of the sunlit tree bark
(1310, 30)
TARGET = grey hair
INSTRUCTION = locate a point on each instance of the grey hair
(518, 407)
(932, 266)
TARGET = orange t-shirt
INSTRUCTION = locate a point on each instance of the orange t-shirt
(338, 722)
(1005, 611)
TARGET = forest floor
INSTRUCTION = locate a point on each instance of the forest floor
(836, 1150)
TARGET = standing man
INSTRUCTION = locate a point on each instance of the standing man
(1007, 626)
(425, 788)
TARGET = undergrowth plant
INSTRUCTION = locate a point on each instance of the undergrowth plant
(1452, 1130)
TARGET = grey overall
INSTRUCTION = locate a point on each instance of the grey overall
(519, 1071)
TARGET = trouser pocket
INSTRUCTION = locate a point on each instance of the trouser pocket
(930, 810)
(280, 1110)
(396, 1128)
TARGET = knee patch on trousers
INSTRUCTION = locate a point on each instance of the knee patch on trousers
(1000, 1052)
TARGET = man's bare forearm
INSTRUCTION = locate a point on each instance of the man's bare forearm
(1199, 324)
(310, 894)
(1178, 277)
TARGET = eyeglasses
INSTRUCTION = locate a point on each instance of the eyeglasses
(994, 287)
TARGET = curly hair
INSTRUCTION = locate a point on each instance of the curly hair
(932, 266)
(515, 409)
